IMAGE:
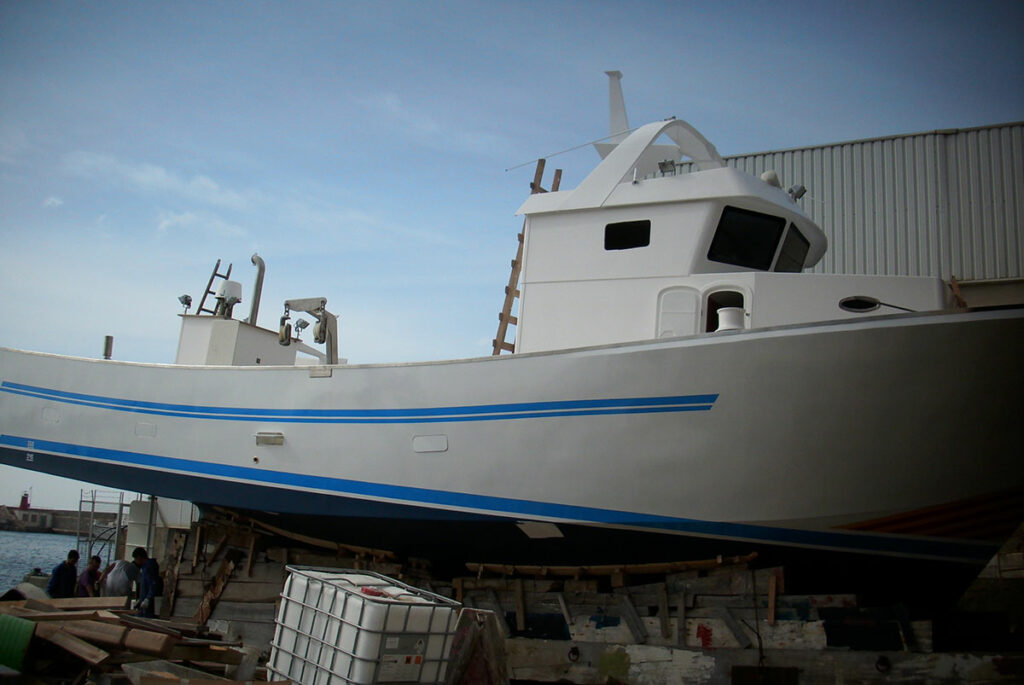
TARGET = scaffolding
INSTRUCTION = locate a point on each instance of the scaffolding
(101, 523)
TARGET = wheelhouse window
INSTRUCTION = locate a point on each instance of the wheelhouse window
(746, 238)
(627, 235)
(793, 252)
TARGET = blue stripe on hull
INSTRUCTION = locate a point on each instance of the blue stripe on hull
(485, 412)
(274, 490)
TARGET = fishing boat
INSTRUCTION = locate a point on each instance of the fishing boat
(679, 385)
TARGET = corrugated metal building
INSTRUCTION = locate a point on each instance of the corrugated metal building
(941, 203)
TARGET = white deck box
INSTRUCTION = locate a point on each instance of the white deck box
(339, 626)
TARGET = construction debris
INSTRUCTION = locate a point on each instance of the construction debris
(72, 636)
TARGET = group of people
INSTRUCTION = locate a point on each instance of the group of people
(115, 581)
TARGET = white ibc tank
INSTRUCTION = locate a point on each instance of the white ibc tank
(337, 626)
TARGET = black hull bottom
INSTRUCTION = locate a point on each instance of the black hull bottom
(926, 587)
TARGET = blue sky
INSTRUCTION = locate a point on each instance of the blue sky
(361, 148)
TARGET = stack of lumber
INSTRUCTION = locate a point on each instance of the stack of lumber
(77, 637)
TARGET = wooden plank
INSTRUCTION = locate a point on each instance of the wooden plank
(556, 182)
(147, 642)
(74, 645)
(151, 624)
(209, 653)
(94, 632)
(538, 176)
(103, 616)
(317, 542)
(610, 569)
(72, 603)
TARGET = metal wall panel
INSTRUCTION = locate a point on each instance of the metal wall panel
(941, 203)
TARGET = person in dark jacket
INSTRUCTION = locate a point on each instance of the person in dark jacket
(64, 577)
(150, 585)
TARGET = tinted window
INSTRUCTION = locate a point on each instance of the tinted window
(746, 238)
(794, 251)
(626, 235)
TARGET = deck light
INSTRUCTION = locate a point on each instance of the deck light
(186, 300)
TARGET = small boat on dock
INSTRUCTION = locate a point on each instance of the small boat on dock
(678, 385)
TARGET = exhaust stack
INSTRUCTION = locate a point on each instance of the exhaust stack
(257, 288)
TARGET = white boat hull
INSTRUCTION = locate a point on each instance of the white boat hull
(793, 436)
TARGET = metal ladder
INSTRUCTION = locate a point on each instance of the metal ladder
(209, 287)
(505, 317)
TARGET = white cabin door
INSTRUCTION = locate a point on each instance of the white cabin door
(678, 310)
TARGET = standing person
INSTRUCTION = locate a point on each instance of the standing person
(150, 584)
(88, 580)
(116, 580)
(63, 577)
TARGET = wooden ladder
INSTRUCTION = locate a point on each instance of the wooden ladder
(505, 317)
(209, 287)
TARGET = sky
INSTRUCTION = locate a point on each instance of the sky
(361, 148)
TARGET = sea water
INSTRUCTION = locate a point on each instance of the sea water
(22, 552)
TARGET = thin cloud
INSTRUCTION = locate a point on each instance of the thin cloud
(53, 201)
(426, 131)
(151, 178)
(207, 225)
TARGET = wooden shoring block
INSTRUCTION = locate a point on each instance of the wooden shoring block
(681, 621)
(172, 574)
(195, 548)
(216, 551)
(517, 588)
(459, 593)
(663, 619)
(632, 619)
(566, 614)
(494, 606)
(250, 554)
(733, 625)
(478, 650)
(211, 596)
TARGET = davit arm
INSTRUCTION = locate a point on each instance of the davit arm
(324, 331)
